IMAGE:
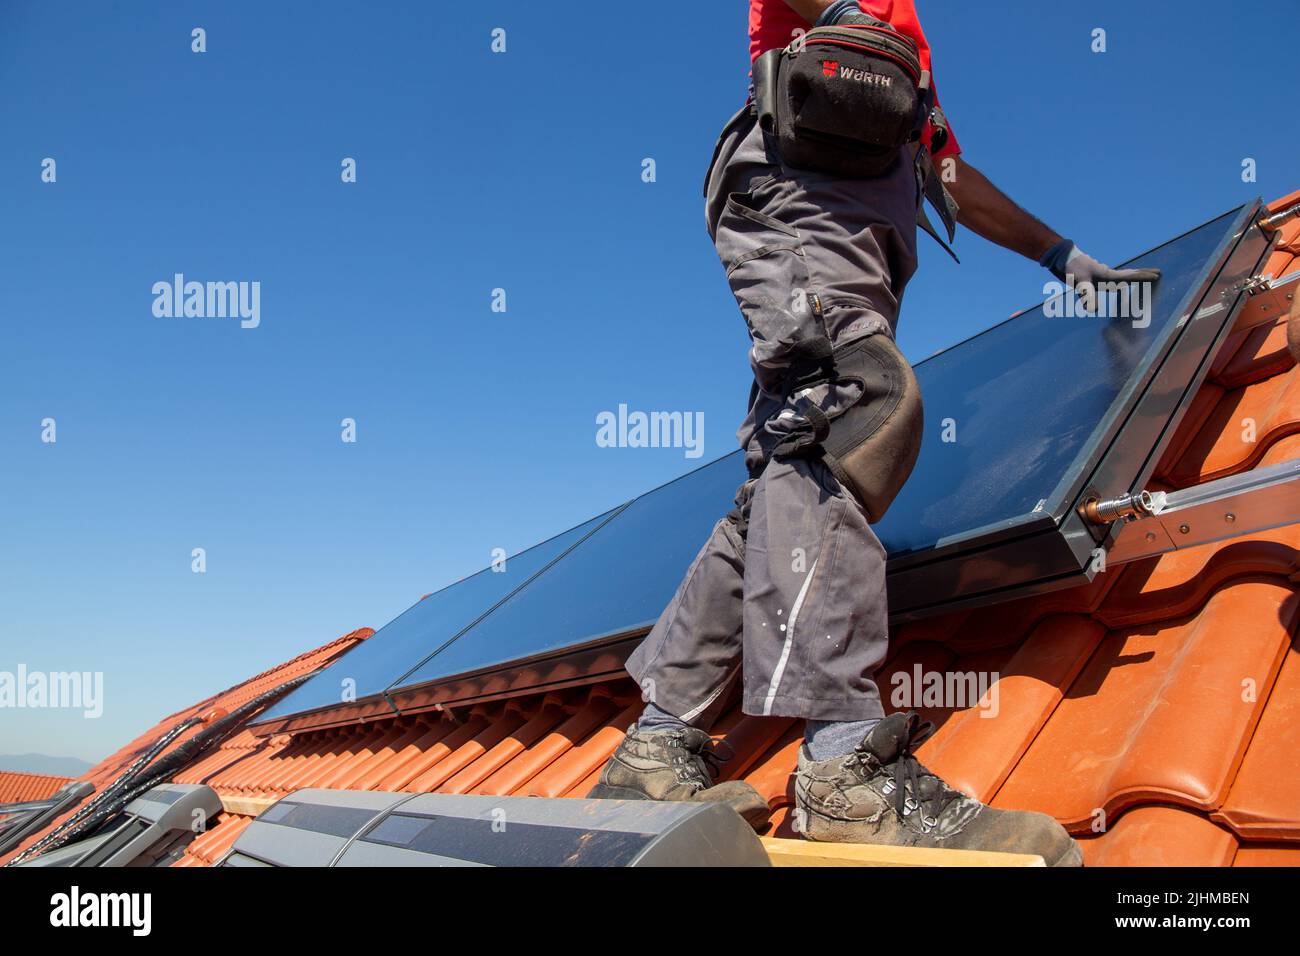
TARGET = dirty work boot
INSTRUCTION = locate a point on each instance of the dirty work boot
(675, 765)
(881, 794)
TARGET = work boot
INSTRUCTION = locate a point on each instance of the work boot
(675, 765)
(881, 794)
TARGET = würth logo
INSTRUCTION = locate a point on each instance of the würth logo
(857, 76)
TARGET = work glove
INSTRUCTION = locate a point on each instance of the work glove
(847, 12)
(1082, 272)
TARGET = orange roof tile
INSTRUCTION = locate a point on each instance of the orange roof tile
(110, 767)
(1159, 714)
(18, 787)
(1154, 710)
(1160, 836)
(1265, 797)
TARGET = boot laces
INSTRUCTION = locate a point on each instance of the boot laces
(702, 766)
(907, 769)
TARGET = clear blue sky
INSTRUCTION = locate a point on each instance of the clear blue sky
(522, 171)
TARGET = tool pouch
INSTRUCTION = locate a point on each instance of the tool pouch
(844, 99)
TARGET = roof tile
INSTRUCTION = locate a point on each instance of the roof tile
(1158, 714)
(1239, 430)
(16, 787)
(978, 747)
(1267, 854)
(1265, 797)
(1160, 836)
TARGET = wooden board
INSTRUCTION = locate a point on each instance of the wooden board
(247, 806)
(807, 853)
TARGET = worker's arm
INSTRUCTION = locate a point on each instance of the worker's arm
(991, 213)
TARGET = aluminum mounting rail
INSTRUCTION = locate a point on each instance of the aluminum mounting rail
(1269, 296)
(1228, 507)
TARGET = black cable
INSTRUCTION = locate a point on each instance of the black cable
(109, 793)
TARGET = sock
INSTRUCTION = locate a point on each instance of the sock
(654, 719)
(826, 739)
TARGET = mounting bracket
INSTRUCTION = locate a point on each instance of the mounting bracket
(1228, 507)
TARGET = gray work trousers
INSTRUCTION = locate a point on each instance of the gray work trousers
(789, 589)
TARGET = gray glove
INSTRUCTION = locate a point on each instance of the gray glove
(1082, 272)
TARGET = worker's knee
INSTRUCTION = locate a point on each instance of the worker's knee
(872, 447)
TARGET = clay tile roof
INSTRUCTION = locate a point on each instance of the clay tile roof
(1155, 711)
(108, 768)
(20, 787)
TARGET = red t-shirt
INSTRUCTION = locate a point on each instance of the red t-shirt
(772, 24)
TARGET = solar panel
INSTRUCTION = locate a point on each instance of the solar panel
(613, 584)
(1022, 400)
(1028, 419)
(1024, 424)
(395, 649)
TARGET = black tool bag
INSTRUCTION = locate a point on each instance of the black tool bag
(844, 99)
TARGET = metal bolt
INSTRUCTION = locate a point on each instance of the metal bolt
(1230, 517)
(1183, 529)
(1151, 536)
(1122, 508)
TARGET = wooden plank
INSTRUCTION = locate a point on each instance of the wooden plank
(807, 853)
(247, 806)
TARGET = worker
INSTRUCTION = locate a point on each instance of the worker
(788, 593)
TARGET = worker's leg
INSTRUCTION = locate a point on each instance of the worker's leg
(815, 617)
(692, 653)
(810, 258)
(683, 667)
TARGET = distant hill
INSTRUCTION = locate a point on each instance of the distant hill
(44, 764)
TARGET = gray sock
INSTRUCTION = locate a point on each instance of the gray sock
(835, 738)
(653, 719)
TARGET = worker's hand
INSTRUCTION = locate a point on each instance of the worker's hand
(1082, 272)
